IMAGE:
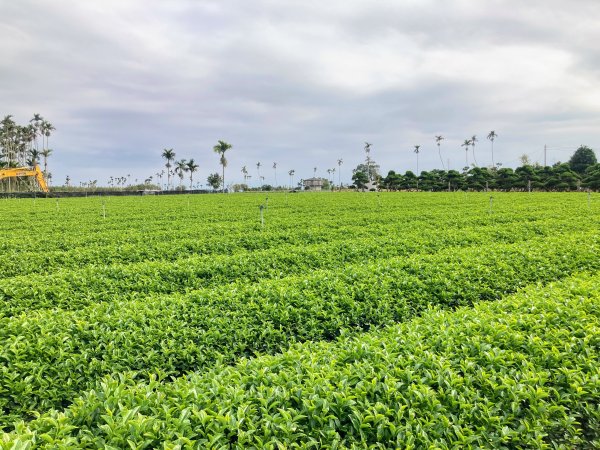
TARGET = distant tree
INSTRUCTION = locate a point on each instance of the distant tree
(473, 140)
(370, 168)
(214, 180)
(505, 179)
(191, 168)
(46, 128)
(291, 174)
(368, 158)
(582, 159)
(181, 169)
(275, 170)
(466, 145)
(492, 136)
(526, 176)
(360, 179)
(34, 157)
(591, 179)
(245, 172)
(340, 162)
(525, 160)
(169, 155)
(417, 147)
(221, 148)
(455, 180)
(409, 180)
(438, 142)
(45, 154)
(37, 123)
(240, 187)
(393, 181)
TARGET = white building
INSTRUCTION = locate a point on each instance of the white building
(313, 184)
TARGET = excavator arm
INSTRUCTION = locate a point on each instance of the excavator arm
(36, 172)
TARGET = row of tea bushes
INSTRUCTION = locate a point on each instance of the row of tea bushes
(521, 372)
(49, 358)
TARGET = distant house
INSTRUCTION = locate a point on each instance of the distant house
(313, 184)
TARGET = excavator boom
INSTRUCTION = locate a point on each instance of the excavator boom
(36, 172)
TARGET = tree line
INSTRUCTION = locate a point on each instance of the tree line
(24, 146)
(582, 171)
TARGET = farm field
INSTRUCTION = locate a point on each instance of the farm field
(346, 320)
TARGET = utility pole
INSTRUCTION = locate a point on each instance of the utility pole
(545, 148)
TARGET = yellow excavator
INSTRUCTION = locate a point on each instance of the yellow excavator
(35, 172)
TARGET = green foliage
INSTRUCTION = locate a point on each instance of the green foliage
(87, 300)
(583, 158)
(360, 179)
(214, 180)
(518, 373)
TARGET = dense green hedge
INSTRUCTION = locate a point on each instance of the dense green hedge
(48, 358)
(74, 288)
(173, 285)
(521, 372)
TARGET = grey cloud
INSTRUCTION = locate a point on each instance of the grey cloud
(302, 83)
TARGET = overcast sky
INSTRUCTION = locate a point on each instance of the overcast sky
(300, 82)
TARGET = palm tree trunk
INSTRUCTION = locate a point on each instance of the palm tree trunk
(223, 190)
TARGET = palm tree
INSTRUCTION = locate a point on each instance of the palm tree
(438, 140)
(34, 156)
(466, 145)
(340, 162)
(37, 123)
(275, 169)
(221, 148)
(314, 172)
(417, 147)
(329, 172)
(368, 153)
(169, 155)
(46, 153)
(245, 172)
(473, 140)
(191, 168)
(291, 174)
(493, 135)
(46, 129)
(181, 169)
(28, 135)
(258, 171)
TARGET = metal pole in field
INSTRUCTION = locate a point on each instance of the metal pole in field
(589, 199)
(491, 204)
(103, 209)
(262, 218)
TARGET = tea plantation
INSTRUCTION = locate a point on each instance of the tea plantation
(341, 320)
